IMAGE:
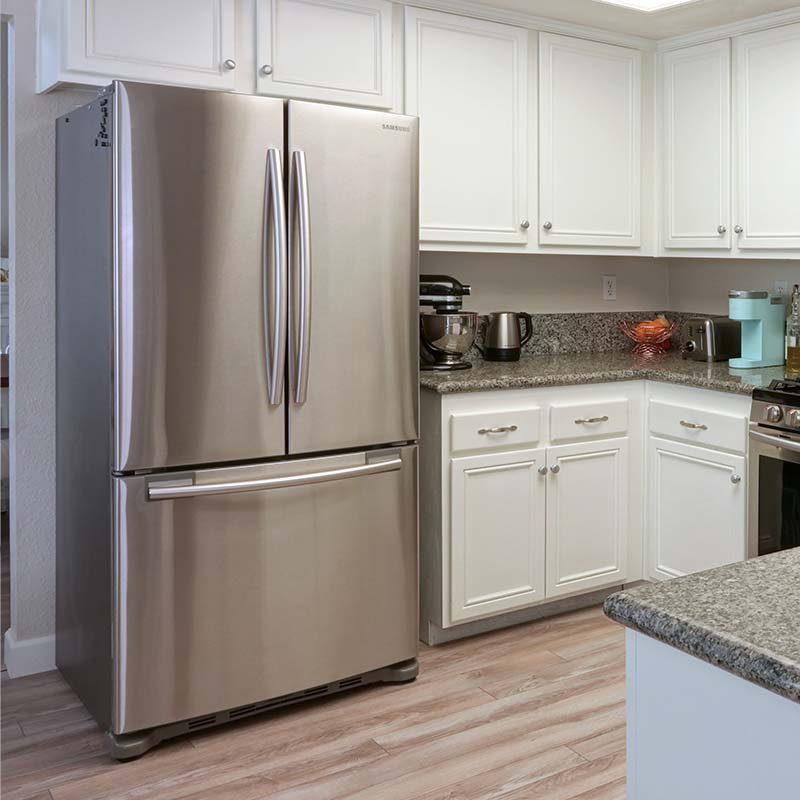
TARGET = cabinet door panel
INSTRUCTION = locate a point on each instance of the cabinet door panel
(184, 42)
(497, 533)
(697, 151)
(587, 515)
(466, 80)
(696, 512)
(335, 50)
(590, 141)
(767, 134)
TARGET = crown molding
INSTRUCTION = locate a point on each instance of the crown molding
(473, 8)
(730, 30)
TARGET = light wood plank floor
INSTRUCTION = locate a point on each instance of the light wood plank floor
(535, 712)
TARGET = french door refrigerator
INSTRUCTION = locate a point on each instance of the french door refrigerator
(237, 405)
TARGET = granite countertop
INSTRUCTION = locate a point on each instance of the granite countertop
(567, 369)
(742, 618)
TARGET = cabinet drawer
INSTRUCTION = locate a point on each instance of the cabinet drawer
(495, 429)
(698, 426)
(588, 420)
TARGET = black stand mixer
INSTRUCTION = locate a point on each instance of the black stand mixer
(447, 333)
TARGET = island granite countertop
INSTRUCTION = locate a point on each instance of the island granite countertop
(742, 617)
(570, 369)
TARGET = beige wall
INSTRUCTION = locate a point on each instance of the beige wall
(556, 283)
(702, 284)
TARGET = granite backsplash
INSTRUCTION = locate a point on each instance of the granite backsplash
(596, 332)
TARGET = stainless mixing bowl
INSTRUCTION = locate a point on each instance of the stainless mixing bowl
(446, 338)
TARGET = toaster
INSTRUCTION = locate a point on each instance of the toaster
(711, 339)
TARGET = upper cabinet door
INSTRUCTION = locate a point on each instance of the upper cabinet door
(334, 50)
(466, 79)
(184, 42)
(768, 138)
(590, 141)
(696, 92)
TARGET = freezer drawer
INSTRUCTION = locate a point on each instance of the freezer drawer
(241, 584)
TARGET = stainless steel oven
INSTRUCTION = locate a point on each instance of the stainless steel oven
(774, 479)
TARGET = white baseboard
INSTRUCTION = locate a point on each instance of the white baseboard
(28, 656)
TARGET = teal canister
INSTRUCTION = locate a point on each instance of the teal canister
(762, 316)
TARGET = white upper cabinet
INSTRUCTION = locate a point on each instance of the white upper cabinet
(184, 42)
(696, 141)
(589, 143)
(466, 79)
(767, 161)
(334, 50)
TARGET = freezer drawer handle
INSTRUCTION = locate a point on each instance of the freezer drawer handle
(171, 490)
(300, 254)
(275, 279)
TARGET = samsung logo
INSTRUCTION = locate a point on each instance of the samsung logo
(387, 127)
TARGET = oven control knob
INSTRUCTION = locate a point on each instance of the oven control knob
(793, 418)
(773, 414)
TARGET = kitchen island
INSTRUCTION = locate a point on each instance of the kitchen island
(713, 682)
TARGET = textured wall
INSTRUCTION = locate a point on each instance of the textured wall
(552, 284)
(32, 406)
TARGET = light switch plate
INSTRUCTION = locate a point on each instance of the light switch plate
(609, 287)
(781, 287)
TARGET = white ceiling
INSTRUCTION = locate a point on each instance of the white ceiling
(659, 24)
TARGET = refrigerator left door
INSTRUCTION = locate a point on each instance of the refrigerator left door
(199, 257)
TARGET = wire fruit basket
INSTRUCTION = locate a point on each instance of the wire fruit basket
(650, 339)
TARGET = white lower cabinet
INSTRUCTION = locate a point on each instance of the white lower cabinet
(497, 533)
(696, 508)
(587, 515)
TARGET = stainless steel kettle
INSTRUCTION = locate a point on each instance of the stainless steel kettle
(503, 340)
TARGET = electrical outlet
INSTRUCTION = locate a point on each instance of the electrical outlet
(609, 287)
(781, 288)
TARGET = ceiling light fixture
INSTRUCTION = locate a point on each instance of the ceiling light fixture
(647, 6)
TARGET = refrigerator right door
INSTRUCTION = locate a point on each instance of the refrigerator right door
(353, 286)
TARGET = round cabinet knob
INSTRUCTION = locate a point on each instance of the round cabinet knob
(266, 69)
(793, 418)
(721, 229)
(738, 229)
(525, 224)
(773, 413)
(547, 225)
(555, 469)
(229, 63)
(736, 478)
(543, 470)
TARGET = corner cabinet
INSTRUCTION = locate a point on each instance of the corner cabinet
(182, 42)
(466, 79)
(334, 50)
(590, 130)
(497, 546)
(767, 113)
(696, 109)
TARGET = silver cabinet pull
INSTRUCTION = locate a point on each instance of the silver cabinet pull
(695, 426)
(721, 229)
(500, 429)
(736, 479)
(229, 63)
(542, 470)
(525, 224)
(547, 225)
(275, 278)
(592, 420)
(738, 229)
(555, 469)
(266, 69)
(300, 255)
(171, 490)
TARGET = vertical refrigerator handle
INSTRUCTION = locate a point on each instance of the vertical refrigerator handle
(275, 278)
(300, 255)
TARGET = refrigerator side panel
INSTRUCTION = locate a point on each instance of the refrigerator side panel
(194, 263)
(354, 277)
(83, 406)
(233, 594)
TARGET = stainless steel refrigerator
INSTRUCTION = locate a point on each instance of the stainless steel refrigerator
(237, 405)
